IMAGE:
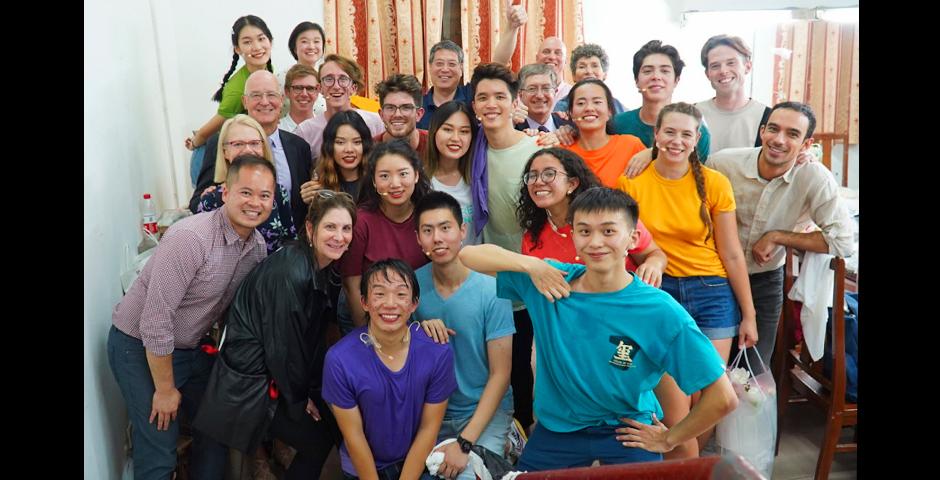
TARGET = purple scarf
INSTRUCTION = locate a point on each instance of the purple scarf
(478, 183)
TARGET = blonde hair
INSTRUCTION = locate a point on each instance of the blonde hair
(221, 165)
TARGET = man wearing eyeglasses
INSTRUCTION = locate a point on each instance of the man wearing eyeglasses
(537, 85)
(340, 78)
(400, 97)
(292, 160)
(302, 90)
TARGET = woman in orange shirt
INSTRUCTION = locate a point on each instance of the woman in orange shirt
(591, 106)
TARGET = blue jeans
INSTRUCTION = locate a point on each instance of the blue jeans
(710, 302)
(493, 438)
(392, 472)
(154, 450)
(548, 450)
(195, 163)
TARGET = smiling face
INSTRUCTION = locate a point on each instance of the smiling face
(389, 301)
(241, 139)
(589, 67)
(347, 148)
(493, 103)
(602, 239)
(254, 47)
(439, 234)
(553, 52)
(303, 93)
(590, 109)
(548, 194)
(399, 114)
(309, 47)
(394, 179)
(726, 69)
(262, 99)
(784, 138)
(453, 137)
(657, 77)
(331, 236)
(249, 199)
(446, 69)
(676, 137)
(538, 95)
(336, 95)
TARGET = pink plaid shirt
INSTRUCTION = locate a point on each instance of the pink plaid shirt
(188, 283)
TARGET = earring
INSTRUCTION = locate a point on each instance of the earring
(569, 192)
(577, 258)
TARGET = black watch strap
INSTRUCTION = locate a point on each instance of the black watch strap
(464, 444)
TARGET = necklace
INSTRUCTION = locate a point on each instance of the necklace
(369, 339)
(552, 224)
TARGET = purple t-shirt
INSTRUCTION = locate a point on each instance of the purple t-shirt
(375, 238)
(390, 402)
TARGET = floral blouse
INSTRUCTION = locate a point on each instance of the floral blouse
(277, 229)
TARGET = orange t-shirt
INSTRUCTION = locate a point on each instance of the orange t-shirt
(610, 161)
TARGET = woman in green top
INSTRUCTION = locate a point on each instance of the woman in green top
(251, 40)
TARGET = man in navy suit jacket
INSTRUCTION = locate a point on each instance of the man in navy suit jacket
(292, 159)
(537, 86)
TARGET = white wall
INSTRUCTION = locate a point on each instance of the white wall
(149, 70)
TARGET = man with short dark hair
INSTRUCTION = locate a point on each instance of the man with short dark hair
(400, 100)
(158, 327)
(774, 193)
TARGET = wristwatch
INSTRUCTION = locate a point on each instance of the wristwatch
(464, 444)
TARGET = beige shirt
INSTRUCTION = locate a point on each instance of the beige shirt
(807, 191)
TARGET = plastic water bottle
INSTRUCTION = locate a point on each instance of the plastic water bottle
(149, 214)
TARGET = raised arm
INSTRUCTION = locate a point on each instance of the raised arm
(350, 424)
(490, 259)
(517, 17)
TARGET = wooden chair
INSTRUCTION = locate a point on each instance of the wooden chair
(795, 370)
(826, 139)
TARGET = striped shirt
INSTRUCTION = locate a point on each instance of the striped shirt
(188, 282)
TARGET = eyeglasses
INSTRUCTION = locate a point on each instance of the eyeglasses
(532, 90)
(301, 88)
(240, 144)
(258, 96)
(406, 109)
(342, 80)
(324, 194)
(547, 176)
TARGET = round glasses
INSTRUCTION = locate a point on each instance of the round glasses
(547, 176)
(342, 80)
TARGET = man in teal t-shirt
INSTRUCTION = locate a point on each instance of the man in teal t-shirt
(458, 299)
(605, 340)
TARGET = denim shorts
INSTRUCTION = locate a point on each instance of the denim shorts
(710, 302)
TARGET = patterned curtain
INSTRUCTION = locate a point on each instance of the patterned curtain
(817, 63)
(395, 36)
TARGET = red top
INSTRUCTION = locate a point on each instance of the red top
(560, 246)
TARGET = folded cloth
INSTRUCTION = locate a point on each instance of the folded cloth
(435, 459)
(814, 288)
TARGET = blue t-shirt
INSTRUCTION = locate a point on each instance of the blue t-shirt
(629, 123)
(601, 354)
(478, 316)
(390, 402)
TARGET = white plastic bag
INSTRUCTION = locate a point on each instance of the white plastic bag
(751, 429)
(133, 266)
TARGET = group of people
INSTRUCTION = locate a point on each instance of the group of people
(512, 248)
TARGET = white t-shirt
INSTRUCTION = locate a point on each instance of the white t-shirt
(737, 129)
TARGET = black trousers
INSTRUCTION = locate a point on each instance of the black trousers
(521, 378)
(313, 440)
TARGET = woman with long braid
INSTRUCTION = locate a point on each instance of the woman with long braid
(689, 209)
(251, 41)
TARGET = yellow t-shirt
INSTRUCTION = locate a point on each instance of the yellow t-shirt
(610, 161)
(670, 210)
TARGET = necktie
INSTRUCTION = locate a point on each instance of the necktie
(542, 128)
